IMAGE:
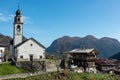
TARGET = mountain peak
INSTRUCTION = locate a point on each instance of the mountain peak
(106, 46)
(90, 37)
(66, 37)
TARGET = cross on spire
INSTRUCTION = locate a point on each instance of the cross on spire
(18, 12)
(18, 5)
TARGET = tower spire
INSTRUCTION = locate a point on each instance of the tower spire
(18, 27)
(18, 5)
(18, 12)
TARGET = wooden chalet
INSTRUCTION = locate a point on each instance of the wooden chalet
(84, 58)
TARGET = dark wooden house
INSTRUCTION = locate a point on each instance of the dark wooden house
(84, 58)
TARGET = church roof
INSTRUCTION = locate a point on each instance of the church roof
(28, 40)
(23, 39)
(18, 12)
(3, 45)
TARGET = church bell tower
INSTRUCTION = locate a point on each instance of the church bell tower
(18, 28)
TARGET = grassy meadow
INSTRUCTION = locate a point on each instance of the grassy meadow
(7, 68)
(68, 76)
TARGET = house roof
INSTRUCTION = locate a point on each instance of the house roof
(104, 62)
(3, 45)
(28, 40)
(81, 50)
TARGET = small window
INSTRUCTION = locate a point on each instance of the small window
(40, 57)
(21, 57)
(31, 44)
(18, 19)
(1, 51)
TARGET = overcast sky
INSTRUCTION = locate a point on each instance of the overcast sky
(47, 20)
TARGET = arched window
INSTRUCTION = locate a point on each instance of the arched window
(18, 19)
(18, 28)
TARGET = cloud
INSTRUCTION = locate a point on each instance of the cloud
(8, 18)
(5, 18)
(26, 20)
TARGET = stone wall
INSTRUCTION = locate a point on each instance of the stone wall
(52, 66)
(32, 65)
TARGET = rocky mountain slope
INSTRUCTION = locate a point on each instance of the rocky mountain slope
(5, 40)
(106, 46)
(116, 56)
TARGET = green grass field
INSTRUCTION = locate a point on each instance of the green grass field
(7, 68)
(68, 76)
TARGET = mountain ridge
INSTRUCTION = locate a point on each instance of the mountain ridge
(106, 46)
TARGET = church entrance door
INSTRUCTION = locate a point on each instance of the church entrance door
(31, 57)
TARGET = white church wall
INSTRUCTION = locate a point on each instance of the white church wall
(2, 49)
(24, 51)
(30, 48)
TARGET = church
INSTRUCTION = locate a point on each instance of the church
(23, 49)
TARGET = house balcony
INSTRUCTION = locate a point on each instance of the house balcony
(85, 59)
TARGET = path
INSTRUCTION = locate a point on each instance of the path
(20, 75)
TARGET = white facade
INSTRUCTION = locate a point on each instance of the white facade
(2, 50)
(30, 50)
(18, 33)
(27, 50)
(18, 28)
